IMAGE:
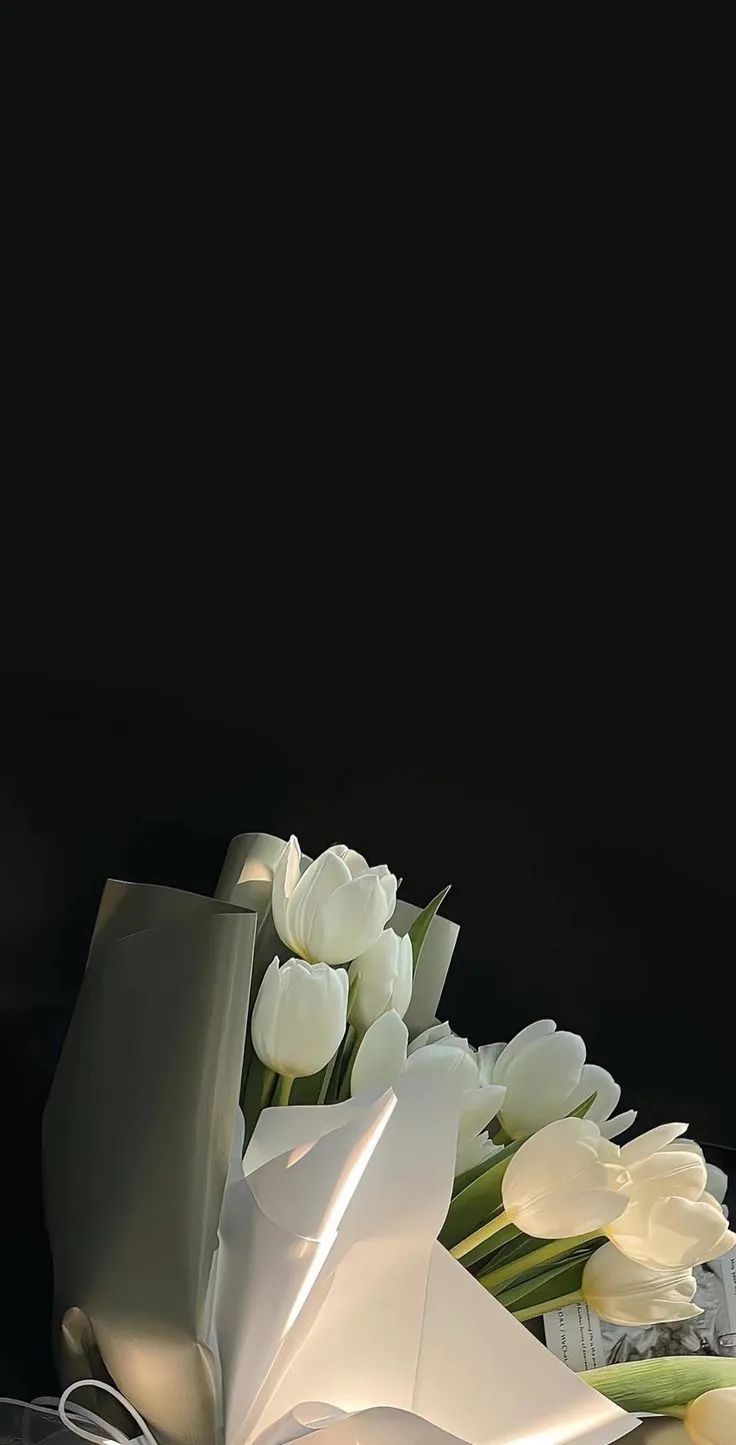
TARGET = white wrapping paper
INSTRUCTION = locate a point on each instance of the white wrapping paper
(329, 1287)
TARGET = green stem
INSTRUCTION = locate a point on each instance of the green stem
(344, 1092)
(501, 1221)
(517, 1267)
(327, 1077)
(284, 1089)
(268, 1084)
(561, 1303)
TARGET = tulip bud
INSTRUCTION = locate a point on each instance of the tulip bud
(711, 1419)
(385, 974)
(626, 1293)
(336, 909)
(299, 1017)
(565, 1181)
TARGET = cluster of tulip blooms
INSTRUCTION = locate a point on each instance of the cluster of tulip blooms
(547, 1209)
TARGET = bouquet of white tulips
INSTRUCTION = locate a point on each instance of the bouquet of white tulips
(622, 1227)
(264, 1243)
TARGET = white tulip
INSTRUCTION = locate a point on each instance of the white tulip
(711, 1419)
(546, 1077)
(385, 974)
(673, 1232)
(336, 909)
(670, 1221)
(299, 1017)
(626, 1293)
(564, 1181)
(383, 1056)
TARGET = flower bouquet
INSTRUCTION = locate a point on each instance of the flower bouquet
(285, 1202)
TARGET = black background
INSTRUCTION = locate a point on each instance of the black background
(565, 765)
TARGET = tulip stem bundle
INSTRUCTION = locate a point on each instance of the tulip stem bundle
(497, 1279)
(354, 1040)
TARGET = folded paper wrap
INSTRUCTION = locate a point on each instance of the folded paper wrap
(137, 1138)
(391, 1335)
(221, 1295)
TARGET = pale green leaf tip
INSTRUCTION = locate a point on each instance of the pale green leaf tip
(653, 1386)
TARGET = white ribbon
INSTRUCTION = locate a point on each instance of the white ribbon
(77, 1416)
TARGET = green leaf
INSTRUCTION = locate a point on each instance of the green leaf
(420, 927)
(517, 1248)
(655, 1385)
(352, 990)
(306, 1091)
(583, 1108)
(343, 1055)
(475, 1204)
(550, 1284)
(480, 1256)
(470, 1175)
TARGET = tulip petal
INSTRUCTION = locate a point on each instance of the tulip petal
(650, 1143)
(611, 1128)
(381, 1057)
(349, 921)
(355, 861)
(285, 878)
(430, 1036)
(539, 1081)
(670, 1172)
(310, 898)
(626, 1293)
(389, 884)
(519, 1042)
(443, 1058)
(680, 1233)
(711, 1419)
(478, 1107)
(598, 1081)
(561, 1183)
(717, 1184)
(487, 1057)
(563, 1214)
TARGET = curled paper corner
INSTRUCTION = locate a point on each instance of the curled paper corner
(307, 1189)
(301, 1423)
